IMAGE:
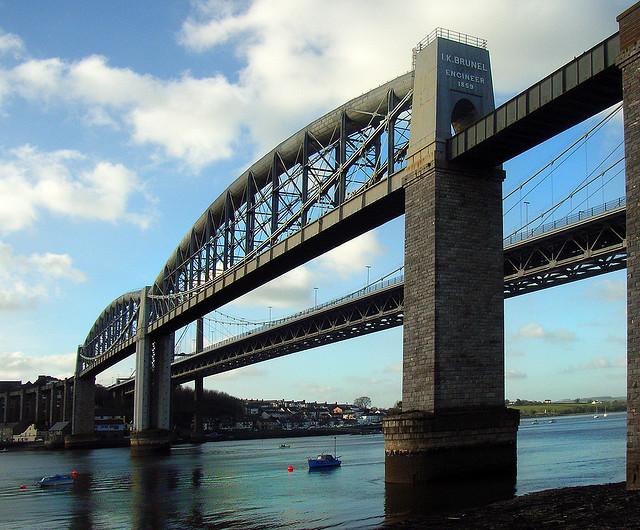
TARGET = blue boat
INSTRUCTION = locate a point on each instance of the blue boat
(324, 460)
(55, 480)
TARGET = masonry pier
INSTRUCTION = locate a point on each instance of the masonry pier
(197, 435)
(83, 411)
(629, 62)
(152, 400)
(454, 422)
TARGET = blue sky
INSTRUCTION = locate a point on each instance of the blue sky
(122, 122)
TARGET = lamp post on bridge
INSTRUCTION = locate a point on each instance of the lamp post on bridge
(270, 308)
(368, 273)
(315, 297)
(526, 214)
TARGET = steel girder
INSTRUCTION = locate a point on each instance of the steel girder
(555, 254)
(319, 174)
(588, 248)
(373, 311)
(112, 335)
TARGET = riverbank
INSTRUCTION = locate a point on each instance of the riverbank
(585, 508)
(567, 409)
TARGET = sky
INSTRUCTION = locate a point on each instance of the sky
(121, 122)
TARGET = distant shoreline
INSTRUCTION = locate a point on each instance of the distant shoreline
(548, 411)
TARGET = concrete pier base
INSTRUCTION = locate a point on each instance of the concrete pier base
(150, 441)
(81, 441)
(422, 447)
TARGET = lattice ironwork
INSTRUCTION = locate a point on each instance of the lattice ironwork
(115, 328)
(298, 186)
(373, 311)
(584, 249)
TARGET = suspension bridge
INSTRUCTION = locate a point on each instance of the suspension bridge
(428, 145)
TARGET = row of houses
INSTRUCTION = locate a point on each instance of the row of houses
(107, 424)
(266, 415)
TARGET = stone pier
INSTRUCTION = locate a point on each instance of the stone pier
(152, 400)
(83, 414)
(197, 434)
(629, 62)
(454, 422)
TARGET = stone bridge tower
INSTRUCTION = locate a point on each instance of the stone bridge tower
(454, 420)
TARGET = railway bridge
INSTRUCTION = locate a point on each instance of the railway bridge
(430, 145)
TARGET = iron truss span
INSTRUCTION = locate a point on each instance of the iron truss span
(284, 210)
(595, 243)
(587, 244)
(374, 310)
(281, 204)
(341, 176)
(112, 337)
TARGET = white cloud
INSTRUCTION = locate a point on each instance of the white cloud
(297, 60)
(291, 290)
(515, 374)
(190, 119)
(64, 182)
(535, 331)
(26, 280)
(599, 363)
(20, 366)
(352, 257)
(395, 368)
(10, 44)
(302, 59)
(609, 290)
(241, 373)
(294, 290)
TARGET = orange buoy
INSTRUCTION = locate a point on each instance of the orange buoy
(290, 469)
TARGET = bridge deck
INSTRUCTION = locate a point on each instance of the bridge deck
(595, 244)
(580, 89)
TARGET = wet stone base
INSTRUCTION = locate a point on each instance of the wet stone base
(152, 441)
(605, 506)
(81, 441)
(422, 447)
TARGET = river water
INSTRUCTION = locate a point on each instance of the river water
(245, 484)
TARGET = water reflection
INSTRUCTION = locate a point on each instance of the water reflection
(82, 506)
(152, 483)
(406, 500)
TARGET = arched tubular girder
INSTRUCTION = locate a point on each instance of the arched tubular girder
(304, 177)
(117, 323)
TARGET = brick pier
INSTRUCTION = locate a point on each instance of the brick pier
(454, 422)
(629, 62)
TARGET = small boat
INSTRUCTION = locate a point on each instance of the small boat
(55, 480)
(534, 422)
(551, 421)
(325, 460)
(285, 446)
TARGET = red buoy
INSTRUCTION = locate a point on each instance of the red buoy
(74, 474)
(290, 469)
(23, 487)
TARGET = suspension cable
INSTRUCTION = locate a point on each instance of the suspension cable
(593, 130)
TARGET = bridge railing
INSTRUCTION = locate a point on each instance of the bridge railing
(373, 287)
(565, 221)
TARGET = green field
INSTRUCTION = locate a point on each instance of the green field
(559, 409)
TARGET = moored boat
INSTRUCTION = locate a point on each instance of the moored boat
(55, 480)
(325, 460)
